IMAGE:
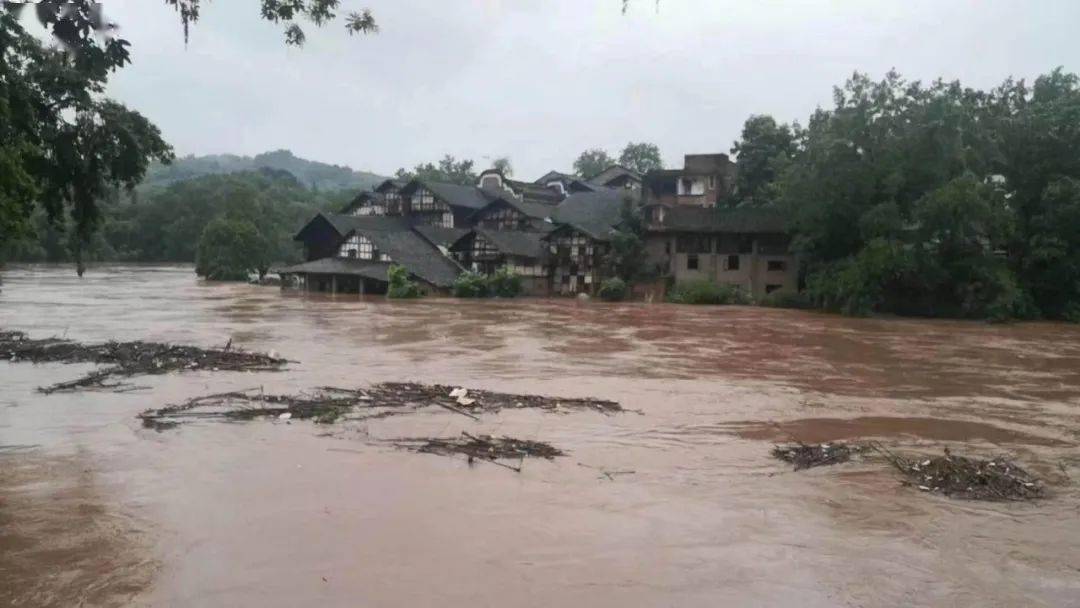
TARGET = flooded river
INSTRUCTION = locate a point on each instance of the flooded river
(96, 510)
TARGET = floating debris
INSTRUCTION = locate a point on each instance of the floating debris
(805, 456)
(324, 406)
(482, 447)
(477, 401)
(997, 479)
(126, 359)
(327, 404)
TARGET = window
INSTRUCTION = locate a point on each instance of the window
(732, 262)
(351, 253)
(712, 182)
(691, 262)
(772, 288)
(777, 266)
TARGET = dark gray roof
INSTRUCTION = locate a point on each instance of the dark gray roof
(346, 266)
(415, 253)
(530, 209)
(397, 239)
(344, 224)
(469, 197)
(393, 184)
(437, 235)
(717, 219)
(594, 213)
(611, 173)
(553, 176)
(519, 243)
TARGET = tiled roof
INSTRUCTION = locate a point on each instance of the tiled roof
(520, 243)
(718, 219)
(594, 213)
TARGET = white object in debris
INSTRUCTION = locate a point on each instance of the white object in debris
(465, 401)
(458, 393)
(285, 416)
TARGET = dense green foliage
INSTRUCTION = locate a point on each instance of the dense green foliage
(166, 225)
(702, 291)
(613, 289)
(641, 157)
(502, 283)
(627, 258)
(62, 144)
(231, 250)
(591, 163)
(764, 150)
(401, 287)
(931, 199)
(449, 170)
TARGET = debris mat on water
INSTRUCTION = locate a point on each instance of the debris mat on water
(482, 447)
(805, 456)
(476, 401)
(327, 404)
(126, 359)
(969, 478)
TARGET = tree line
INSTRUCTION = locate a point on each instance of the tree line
(929, 199)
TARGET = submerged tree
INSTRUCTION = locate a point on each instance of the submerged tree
(232, 250)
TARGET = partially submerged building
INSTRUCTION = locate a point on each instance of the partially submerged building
(744, 248)
(555, 233)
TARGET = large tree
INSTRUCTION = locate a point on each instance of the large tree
(591, 163)
(63, 144)
(641, 157)
(763, 150)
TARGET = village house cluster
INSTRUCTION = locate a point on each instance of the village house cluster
(554, 233)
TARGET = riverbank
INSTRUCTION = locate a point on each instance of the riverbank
(281, 513)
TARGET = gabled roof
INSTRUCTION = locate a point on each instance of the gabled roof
(417, 255)
(391, 184)
(554, 176)
(680, 218)
(363, 197)
(397, 239)
(612, 173)
(594, 213)
(439, 236)
(533, 210)
(455, 195)
(526, 244)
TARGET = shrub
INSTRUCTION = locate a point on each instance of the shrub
(613, 290)
(470, 285)
(701, 291)
(504, 284)
(401, 287)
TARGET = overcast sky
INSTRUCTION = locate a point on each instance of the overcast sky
(541, 80)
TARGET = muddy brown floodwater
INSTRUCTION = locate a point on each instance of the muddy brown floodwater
(96, 510)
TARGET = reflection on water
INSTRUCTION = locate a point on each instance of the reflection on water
(274, 514)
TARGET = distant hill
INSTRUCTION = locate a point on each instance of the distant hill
(311, 174)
